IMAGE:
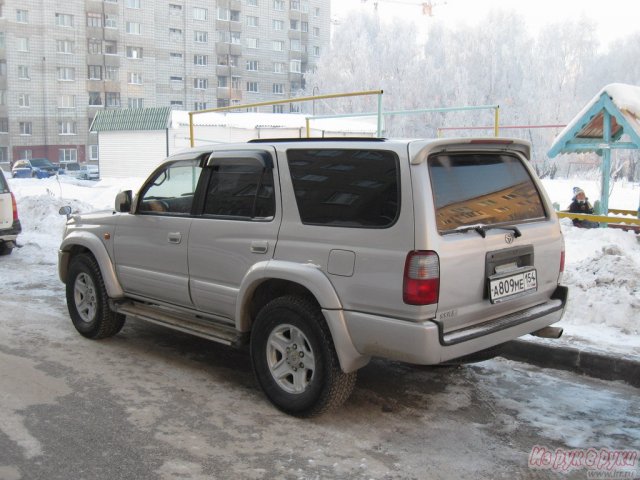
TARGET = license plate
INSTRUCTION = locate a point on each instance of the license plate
(508, 286)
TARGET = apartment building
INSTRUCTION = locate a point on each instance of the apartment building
(61, 62)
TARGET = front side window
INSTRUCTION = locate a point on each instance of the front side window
(352, 188)
(171, 190)
(242, 189)
(488, 189)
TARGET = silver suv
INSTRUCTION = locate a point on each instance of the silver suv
(323, 253)
(9, 222)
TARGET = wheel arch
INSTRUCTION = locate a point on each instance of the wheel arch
(83, 242)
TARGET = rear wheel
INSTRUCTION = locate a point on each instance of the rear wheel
(87, 300)
(294, 360)
(5, 249)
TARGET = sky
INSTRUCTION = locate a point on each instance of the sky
(613, 17)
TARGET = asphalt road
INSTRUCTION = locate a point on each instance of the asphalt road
(150, 403)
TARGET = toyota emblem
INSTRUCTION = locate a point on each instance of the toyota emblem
(509, 237)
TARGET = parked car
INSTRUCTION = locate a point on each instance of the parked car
(9, 222)
(35, 167)
(71, 168)
(88, 172)
(320, 254)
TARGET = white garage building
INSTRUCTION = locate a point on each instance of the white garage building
(132, 142)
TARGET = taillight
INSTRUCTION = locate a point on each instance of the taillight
(421, 278)
(562, 261)
(15, 207)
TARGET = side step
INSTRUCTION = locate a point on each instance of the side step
(200, 327)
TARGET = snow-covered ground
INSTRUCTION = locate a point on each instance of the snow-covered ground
(602, 265)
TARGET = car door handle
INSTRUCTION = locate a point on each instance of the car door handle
(174, 237)
(259, 247)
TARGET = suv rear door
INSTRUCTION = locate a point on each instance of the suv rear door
(6, 205)
(496, 235)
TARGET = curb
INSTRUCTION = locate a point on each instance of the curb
(584, 362)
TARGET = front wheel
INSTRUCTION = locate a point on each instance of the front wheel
(88, 302)
(294, 360)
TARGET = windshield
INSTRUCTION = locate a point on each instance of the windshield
(41, 162)
(486, 189)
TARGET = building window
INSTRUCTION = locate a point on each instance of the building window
(316, 12)
(95, 72)
(64, 20)
(23, 72)
(294, 24)
(278, 5)
(201, 60)
(66, 74)
(200, 83)
(3, 97)
(26, 154)
(22, 16)
(252, 65)
(67, 101)
(295, 5)
(95, 99)
(278, 88)
(223, 13)
(133, 28)
(278, 108)
(134, 52)
(67, 127)
(200, 106)
(252, 3)
(304, 26)
(175, 57)
(67, 155)
(111, 47)
(64, 46)
(135, 78)
(112, 74)
(295, 45)
(24, 100)
(278, 45)
(235, 83)
(175, 34)
(175, 9)
(223, 82)
(136, 102)
(132, 3)
(25, 128)
(253, 21)
(252, 87)
(200, 36)
(316, 51)
(23, 44)
(199, 13)
(316, 31)
(94, 46)
(94, 20)
(234, 15)
(112, 99)
(252, 43)
(2, 40)
(4, 125)
(175, 78)
(279, 67)
(295, 66)
(110, 21)
(4, 154)
(176, 103)
(93, 152)
(278, 24)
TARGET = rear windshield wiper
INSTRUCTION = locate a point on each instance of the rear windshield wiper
(482, 229)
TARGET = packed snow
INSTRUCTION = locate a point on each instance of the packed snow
(602, 265)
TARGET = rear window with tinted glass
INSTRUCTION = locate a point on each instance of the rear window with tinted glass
(355, 188)
(487, 189)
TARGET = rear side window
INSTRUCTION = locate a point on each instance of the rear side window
(487, 189)
(346, 187)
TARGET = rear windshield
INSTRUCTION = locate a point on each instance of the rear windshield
(4, 188)
(487, 189)
(354, 188)
(41, 162)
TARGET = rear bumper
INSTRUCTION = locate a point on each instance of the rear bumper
(10, 234)
(425, 344)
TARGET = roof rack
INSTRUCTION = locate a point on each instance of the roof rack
(319, 139)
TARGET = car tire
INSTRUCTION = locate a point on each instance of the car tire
(5, 249)
(88, 302)
(294, 359)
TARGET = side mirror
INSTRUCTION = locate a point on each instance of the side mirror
(123, 201)
(65, 211)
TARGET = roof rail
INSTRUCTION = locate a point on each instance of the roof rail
(318, 139)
